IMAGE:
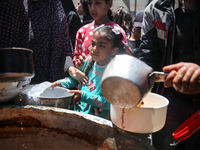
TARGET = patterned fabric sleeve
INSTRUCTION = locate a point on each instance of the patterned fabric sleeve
(68, 82)
(78, 46)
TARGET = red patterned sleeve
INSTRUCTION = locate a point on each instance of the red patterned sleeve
(78, 46)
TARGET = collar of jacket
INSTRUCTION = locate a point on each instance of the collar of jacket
(164, 4)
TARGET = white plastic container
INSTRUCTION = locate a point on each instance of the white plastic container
(148, 118)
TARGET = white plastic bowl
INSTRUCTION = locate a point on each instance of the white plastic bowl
(148, 118)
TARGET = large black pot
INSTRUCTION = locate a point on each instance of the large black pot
(16, 64)
(49, 128)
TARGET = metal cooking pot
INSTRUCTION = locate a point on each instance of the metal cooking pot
(127, 79)
(9, 90)
(56, 97)
(47, 128)
(16, 64)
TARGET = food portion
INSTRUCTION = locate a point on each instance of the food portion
(140, 104)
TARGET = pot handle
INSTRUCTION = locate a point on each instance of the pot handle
(157, 76)
(160, 76)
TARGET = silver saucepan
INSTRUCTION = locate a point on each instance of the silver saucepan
(127, 79)
(9, 90)
(16, 64)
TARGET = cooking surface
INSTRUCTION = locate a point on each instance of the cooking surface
(41, 127)
(54, 128)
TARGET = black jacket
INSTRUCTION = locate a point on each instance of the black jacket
(158, 33)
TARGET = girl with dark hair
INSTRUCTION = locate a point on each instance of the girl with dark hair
(124, 19)
(88, 98)
(101, 13)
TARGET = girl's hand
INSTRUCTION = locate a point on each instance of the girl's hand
(184, 77)
(81, 60)
(78, 75)
(56, 83)
(76, 97)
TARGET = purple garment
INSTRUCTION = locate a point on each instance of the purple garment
(49, 39)
(14, 31)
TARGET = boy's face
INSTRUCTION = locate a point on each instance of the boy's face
(101, 49)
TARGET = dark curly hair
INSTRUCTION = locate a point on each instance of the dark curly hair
(123, 18)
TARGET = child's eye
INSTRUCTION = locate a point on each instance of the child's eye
(101, 46)
(98, 3)
(89, 3)
(93, 44)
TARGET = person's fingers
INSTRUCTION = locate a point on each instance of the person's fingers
(52, 86)
(196, 76)
(80, 82)
(79, 63)
(194, 87)
(73, 102)
(76, 63)
(71, 91)
(186, 79)
(177, 81)
(84, 56)
(84, 80)
(169, 79)
(80, 58)
(176, 67)
(56, 83)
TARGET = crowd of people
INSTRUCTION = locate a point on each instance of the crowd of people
(73, 52)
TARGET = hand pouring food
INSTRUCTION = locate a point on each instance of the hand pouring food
(127, 79)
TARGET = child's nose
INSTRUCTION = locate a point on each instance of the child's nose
(92, 6)
(94, 49)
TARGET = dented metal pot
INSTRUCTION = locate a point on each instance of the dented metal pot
(127, 79)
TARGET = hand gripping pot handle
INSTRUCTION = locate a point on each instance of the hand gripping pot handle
(127, 79)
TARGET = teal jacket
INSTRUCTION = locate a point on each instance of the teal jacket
(92, 100)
